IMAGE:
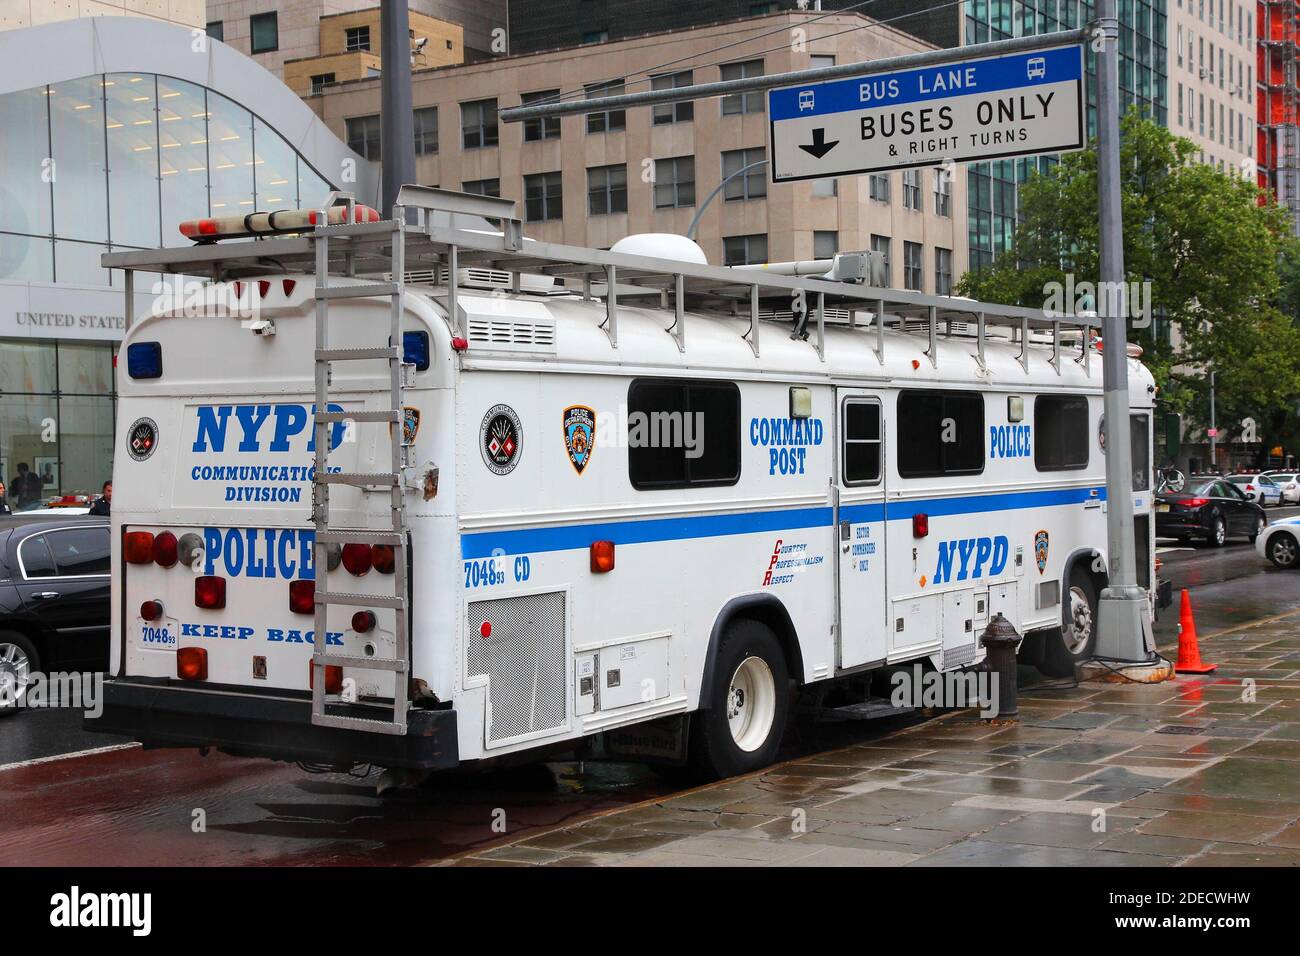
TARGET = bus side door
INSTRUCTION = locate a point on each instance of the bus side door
(860, 529)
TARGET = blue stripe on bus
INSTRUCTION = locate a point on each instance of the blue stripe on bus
(485, 544)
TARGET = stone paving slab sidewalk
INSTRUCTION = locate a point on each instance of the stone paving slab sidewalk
(1197, 771)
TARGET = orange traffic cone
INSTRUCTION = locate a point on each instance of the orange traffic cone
(1189, 651)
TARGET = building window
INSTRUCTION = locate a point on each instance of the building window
(751, 102)
(675, 182)
(942, 271)
(762, 9)
(744, 250)
(682, 433)
(606, 190)
(912, 267)
(825, 243)
(665, 113)
(942, 193)
(822, 188)
(750, 185)
(879, 187)
(1061, 433)
(610, 120)
(426, 131)
(595, 36)
(912, 189)
(543, 197)
(478, 124)
(67, 385)
(945, 433)
(320, 81)
(543, 127)
(217, 29)
(363, 135)
(482, 187)
(819, 61)
(264, 31)
(881, 244)
(357, 38)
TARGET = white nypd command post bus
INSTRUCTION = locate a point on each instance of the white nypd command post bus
(650, 497)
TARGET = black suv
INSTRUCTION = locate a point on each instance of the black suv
(54, 598)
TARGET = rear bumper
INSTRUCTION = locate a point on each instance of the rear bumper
(248, 725)
(1169, 525)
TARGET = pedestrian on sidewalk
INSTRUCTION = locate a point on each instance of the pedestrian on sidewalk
(103, 504)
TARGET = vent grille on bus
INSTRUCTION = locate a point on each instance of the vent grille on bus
(523, 660)
(511, 334)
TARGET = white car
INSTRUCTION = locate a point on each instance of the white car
(1280, 543)
(1258, 488)
(1289, 482)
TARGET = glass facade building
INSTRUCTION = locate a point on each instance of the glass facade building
(992, 188)
(108, 162)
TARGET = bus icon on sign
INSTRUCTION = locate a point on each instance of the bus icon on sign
(1037, 68)
(805, 100)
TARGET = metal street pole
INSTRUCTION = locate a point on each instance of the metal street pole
(1123, 627)
(753, 84)
(397, 118)
(1214, 429)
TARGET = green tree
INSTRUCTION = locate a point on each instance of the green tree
(1222, 267)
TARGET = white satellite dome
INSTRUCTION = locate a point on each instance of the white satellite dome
(662, 245)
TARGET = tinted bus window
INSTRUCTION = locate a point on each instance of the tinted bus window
(1061, 433)
(683, 434)
(940, 433)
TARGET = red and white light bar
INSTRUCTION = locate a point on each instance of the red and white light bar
(268, 223)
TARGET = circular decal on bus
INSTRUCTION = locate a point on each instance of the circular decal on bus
(142, 438)
(501, 439)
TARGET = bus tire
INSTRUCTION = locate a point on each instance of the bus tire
(750, 698)
(18, 662)
(1077, 638)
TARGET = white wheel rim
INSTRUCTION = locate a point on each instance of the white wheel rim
(1284, 551)
(14, 674)
(1220, 531)
(1080, 622)
(751, 704)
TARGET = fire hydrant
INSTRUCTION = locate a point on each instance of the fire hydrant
(1000, 639)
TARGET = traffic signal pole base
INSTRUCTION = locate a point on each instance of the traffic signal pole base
(1124, 626)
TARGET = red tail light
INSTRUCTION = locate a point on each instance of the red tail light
(363, 621)
(602, 557)
(210, 592)
(264, 288)
(302, 597)
(357, 558)
(137, 547)
(384, 558)
(333, 677)
(151, 610)
(1250, 487)
(920, 526)
(288, 286)
(164, 549)
(1192, 502)
(192, 663)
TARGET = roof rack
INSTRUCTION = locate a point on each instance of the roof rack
(438, 232)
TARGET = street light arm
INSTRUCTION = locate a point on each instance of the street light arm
(695, 222)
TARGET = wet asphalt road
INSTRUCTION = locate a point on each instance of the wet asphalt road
(130, 807)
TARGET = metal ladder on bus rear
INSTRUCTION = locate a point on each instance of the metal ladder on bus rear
(395, 534)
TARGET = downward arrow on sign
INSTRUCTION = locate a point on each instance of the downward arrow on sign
(819, 147)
